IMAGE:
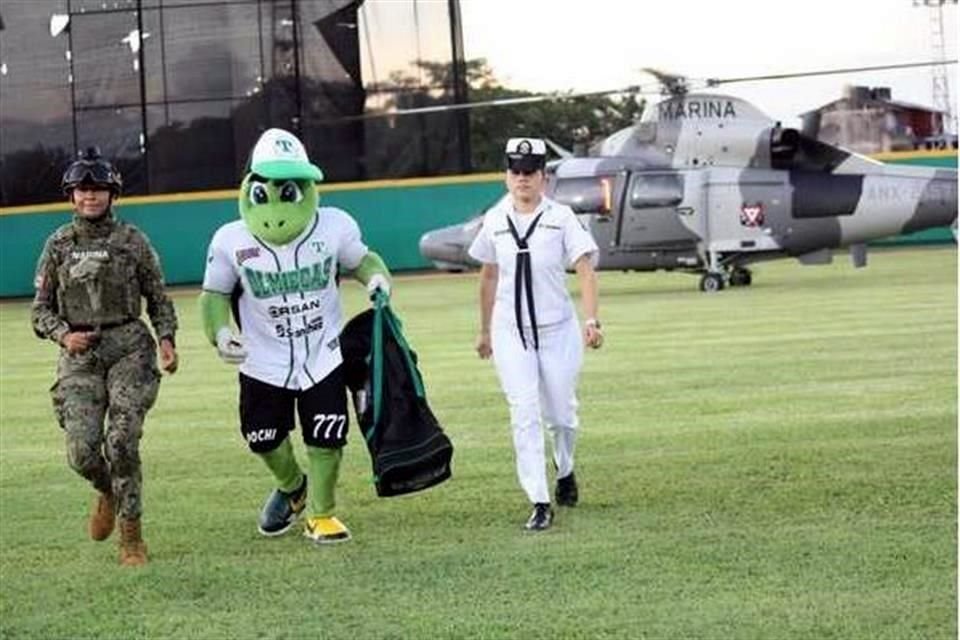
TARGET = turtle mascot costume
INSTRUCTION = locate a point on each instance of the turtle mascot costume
(276, 272)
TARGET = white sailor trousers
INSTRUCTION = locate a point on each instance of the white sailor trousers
(540, 383)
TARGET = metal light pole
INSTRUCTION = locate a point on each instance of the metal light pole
(941, 82)
(73, 81)
(459, 83)
(144, 138)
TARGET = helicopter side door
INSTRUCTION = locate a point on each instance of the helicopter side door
(649, 226)
(748, 210)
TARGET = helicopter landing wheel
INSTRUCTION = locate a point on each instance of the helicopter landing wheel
(740, 277)
(711, 282)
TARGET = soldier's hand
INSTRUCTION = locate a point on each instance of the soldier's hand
(230, 347)
(169, 361)
(78, 341)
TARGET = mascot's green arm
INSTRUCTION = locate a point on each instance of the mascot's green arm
(214, 313)
(371, 264)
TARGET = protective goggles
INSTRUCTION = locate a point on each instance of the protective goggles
(90, 173)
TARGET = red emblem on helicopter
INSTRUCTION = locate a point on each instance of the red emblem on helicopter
(751, 215)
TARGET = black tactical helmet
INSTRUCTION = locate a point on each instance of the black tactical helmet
(91, 168)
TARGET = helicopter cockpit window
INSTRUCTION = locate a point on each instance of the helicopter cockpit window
(585, 195)
(657, 190)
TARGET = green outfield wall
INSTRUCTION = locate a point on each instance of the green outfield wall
(393, 214)
(946, 159)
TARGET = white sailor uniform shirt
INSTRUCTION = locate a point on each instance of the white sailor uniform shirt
(556, 243)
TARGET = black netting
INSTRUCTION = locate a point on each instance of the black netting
(182, 111)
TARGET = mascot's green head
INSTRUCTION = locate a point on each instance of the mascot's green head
(278, 196)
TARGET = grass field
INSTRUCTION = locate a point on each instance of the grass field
(775, 462)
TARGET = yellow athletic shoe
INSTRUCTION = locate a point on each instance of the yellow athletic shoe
(326, 530)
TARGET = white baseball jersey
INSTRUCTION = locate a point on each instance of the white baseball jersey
(290, 312)
(558, 241)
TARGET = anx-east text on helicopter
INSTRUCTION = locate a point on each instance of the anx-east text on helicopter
(708, 184)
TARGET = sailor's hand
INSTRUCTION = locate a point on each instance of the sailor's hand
(378, 282)
(169, 361)
(78, 341)
(484, 350)
(593, 334)
(230, 347)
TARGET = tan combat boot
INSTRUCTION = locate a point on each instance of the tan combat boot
(102, 517)
(133, 551)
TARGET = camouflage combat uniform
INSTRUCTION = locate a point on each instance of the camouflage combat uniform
(91, 277)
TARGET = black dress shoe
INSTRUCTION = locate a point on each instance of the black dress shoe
(567, 493)
(541, 518)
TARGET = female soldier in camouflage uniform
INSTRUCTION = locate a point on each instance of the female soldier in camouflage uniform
(90, 279)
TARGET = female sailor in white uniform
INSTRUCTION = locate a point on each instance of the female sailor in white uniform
(529, 324)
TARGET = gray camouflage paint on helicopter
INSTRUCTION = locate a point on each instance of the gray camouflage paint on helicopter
(746, 190)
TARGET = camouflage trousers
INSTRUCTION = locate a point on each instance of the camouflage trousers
(117, 379)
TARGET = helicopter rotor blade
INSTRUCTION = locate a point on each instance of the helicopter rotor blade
(671, 84)
(561, 151)
(667, 84)
(502, 102)
(498, 102)
(713, 82)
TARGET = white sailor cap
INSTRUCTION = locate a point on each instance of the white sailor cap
(279, 154)
(526, 153)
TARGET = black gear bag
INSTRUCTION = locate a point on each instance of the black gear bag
(408, 448)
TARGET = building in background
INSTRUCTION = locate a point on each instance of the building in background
(176, 92)
(868, 120)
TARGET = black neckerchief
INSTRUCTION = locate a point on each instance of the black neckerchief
(524, 275)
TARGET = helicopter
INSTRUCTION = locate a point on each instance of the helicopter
(707, 183)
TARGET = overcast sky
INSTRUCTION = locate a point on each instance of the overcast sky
(549, 45)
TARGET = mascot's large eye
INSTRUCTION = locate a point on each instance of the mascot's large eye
(290, 192)
(258, 194)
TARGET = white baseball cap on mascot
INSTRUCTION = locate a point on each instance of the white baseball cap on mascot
(279, 154)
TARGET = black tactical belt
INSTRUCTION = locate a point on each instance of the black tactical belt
(105, 325)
